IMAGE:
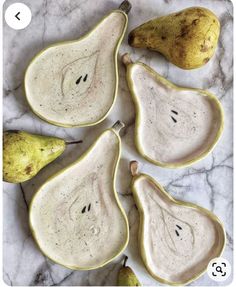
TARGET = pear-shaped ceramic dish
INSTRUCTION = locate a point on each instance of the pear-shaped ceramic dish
(74, 83)
(76, 217)
(175, 126)
(177, 239)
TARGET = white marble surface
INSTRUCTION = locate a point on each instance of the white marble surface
(207, 183)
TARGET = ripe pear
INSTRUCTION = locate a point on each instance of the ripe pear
(25, 154)
(187, 38)
(126, 276)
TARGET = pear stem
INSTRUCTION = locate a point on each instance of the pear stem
(118, 126)
(125, 260)
(125, 6)
(126, 59)
(75, 142)
(134, 167)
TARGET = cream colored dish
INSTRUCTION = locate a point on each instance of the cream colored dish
(177, 239)
(175, 126)
(76, 217)
(74, 84)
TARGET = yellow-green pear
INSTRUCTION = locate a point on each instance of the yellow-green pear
(187, 38)
(126, 276)
(25, 154)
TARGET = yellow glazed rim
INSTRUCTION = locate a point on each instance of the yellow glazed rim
(70, 42)
(116, 197)
(178, 202)
(171, 85)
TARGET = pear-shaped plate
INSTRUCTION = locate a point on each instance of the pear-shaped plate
(74, 83)
(175, 126)
(177, 239)
(75, 216)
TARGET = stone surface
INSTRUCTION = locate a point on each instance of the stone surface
(207, 183)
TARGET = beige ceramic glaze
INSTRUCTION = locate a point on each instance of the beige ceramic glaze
(174, 126)
(76, 217)
(75, 83)
(177, 239)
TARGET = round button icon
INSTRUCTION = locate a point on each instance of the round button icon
(18, 16)
(219, 269)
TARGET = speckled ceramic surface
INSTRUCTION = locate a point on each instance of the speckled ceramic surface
(174, 233)
(74, 83)
(207, 183)
(75, 216)
(174, 126)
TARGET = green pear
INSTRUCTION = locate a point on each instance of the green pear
(126, 276)
(187, 38)
(25, 154)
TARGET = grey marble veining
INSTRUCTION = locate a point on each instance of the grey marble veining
(207, 183)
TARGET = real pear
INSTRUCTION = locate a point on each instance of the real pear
(175, 126)
(75, 216)
(25, 154)
(187, 38)
(177, 239)
(75, 83)
(126, 276)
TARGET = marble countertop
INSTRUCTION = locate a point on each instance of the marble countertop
(207, 183)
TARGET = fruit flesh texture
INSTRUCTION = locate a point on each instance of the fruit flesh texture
(75, 216)
(175, 125)
(177, 242)
(188, 38)
(74, 83)
(126, 277)
(24, 154)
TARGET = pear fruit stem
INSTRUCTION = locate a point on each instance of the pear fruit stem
(125, 6)
(118, 126)
(125, 260)
(74, 142)
(126, 59)
(134, 167)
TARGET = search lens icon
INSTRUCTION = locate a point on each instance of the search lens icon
(219, 269)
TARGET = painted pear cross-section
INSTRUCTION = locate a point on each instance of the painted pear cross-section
(75, 83)
(174, 126)
(76, 80)
(177, 239)
(76, 212)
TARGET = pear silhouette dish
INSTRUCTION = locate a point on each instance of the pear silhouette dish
(175, 126)
(177, 239)
(77, 211)
(25, 154)
(74, 84)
